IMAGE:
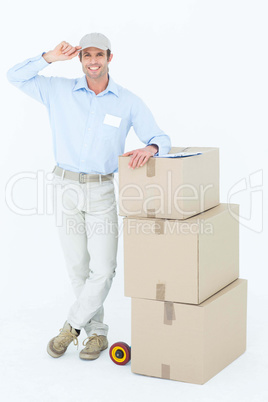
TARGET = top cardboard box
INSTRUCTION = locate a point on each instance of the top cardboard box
(170, 188)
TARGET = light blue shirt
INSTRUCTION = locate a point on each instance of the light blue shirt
(85, 139)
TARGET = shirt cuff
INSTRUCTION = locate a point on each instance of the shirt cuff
(156, 146)
(42, 61)
(36, 63)
(163, 144)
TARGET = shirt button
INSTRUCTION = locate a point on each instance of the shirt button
(89, 129)
(92, 112)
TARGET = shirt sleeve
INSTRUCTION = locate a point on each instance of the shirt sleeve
(25, 77)
(146, 128)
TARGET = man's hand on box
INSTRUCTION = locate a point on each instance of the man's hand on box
(141, 156)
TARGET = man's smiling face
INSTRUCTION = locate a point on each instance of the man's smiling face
(94, 62)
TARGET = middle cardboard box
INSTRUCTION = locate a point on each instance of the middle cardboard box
(181, 261)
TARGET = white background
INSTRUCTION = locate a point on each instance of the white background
(201, 67)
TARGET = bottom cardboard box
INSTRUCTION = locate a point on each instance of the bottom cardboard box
(187, 342)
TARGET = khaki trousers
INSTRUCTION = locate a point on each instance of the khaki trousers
(86, 216)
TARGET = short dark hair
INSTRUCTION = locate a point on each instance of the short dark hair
(108, 54)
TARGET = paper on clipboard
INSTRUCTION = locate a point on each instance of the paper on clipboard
(178, 155)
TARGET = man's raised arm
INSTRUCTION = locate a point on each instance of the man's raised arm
(25, 75)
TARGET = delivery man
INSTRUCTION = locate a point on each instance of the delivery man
(90, 118)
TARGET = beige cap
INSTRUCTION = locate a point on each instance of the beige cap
(95, 40)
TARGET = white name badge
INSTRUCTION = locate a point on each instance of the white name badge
(111, 120)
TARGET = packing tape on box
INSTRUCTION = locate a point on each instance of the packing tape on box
(160, 291)
(165, 371)
(150, 172)
(169, 313)
(151, 213)
(159, 226)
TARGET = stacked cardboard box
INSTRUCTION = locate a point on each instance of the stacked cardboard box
(181, 257)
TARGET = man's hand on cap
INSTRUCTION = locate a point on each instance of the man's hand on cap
(63, 51)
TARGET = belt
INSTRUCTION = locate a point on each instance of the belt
(81, 177)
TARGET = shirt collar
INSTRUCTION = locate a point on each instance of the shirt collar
(111, 87)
